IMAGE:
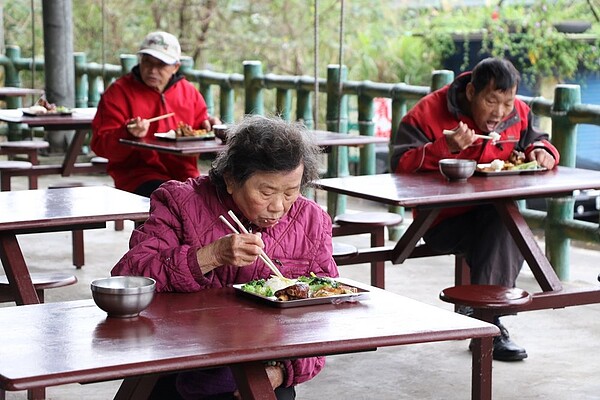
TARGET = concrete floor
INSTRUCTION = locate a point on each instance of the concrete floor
(562, 344)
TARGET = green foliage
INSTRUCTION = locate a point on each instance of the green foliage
(382, 41)
(524, 33)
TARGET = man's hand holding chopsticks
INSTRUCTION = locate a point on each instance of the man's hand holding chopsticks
(138, 127)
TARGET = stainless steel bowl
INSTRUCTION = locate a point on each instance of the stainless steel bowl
(220, 132)
(457, 169)
(123, 296)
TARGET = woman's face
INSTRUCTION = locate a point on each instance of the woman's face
(266, 197)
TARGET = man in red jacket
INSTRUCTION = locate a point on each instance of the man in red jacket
(154, 87)
(479, 102)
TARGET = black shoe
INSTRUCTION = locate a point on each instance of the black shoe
(465, 310)
(504, 348)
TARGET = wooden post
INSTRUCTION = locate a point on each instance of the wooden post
(81, 80)
(336, 121)
(254, 96)
(227, 104)
(128, 61)
(12, 78)
(366, 127)
(283, 103)
(564, 137)
(304, 108)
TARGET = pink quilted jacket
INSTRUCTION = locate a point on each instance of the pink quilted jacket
(184, 216)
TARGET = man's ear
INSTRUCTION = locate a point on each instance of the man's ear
(470, 91)
(177, 65)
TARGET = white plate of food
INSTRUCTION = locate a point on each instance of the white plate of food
(501, 168)
(199, 134)
(37, 110)
(304, 291)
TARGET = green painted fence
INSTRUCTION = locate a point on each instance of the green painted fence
(566, 112)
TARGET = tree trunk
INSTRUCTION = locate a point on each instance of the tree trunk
(59, 64)
(2, 43)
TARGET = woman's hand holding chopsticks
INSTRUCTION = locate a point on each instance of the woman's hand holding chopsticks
(237, 250)
(263, 256)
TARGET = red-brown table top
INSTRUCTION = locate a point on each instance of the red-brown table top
(32, 209)
(81, 118)
(432, 189)
(59, 343)
(19, 92)
(193, 147)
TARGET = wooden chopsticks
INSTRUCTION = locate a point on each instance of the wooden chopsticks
(154, 119)
(263, 256)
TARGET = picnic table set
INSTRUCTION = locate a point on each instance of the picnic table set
(98, 343)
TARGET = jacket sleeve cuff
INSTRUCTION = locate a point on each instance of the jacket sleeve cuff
(193, 265)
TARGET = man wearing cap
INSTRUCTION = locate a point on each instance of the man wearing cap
(154, 87)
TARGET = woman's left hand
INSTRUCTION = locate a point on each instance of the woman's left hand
(275, 374)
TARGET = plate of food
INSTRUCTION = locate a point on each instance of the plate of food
(501, 167)
(38, 110)
(185, 132)
(303, 291)
(201, 134)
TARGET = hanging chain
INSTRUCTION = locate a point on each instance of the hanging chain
(340, 60)
(32, 48)
(103, 40)
(316, 68)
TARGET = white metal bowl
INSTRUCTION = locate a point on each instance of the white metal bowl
(123, 296)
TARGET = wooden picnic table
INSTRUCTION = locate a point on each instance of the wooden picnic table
(429, 193)
(53, 210)
(80, 121)
(61, 343)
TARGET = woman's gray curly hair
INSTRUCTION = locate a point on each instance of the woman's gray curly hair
(266, 144)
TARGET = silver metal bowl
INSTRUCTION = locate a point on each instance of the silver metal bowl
(220, 132)
(457, 169)
(123, 296)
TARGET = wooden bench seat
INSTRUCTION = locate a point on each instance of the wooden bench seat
(7, 170)
(29, 148)
(381, 254)
(373, 223)
(487, 301)
(41, 282)
(343, 251)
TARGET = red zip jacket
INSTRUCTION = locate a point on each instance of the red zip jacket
(128, 97)
(420, 143)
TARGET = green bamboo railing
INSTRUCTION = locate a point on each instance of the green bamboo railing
(566, 113)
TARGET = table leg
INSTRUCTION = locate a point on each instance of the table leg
(16, 270)
(136, 388)
(535, 257)
(481, 378)
(252, 381)
(413, 234)
(73, 151)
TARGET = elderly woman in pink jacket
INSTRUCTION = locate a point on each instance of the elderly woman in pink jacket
(185, 247)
